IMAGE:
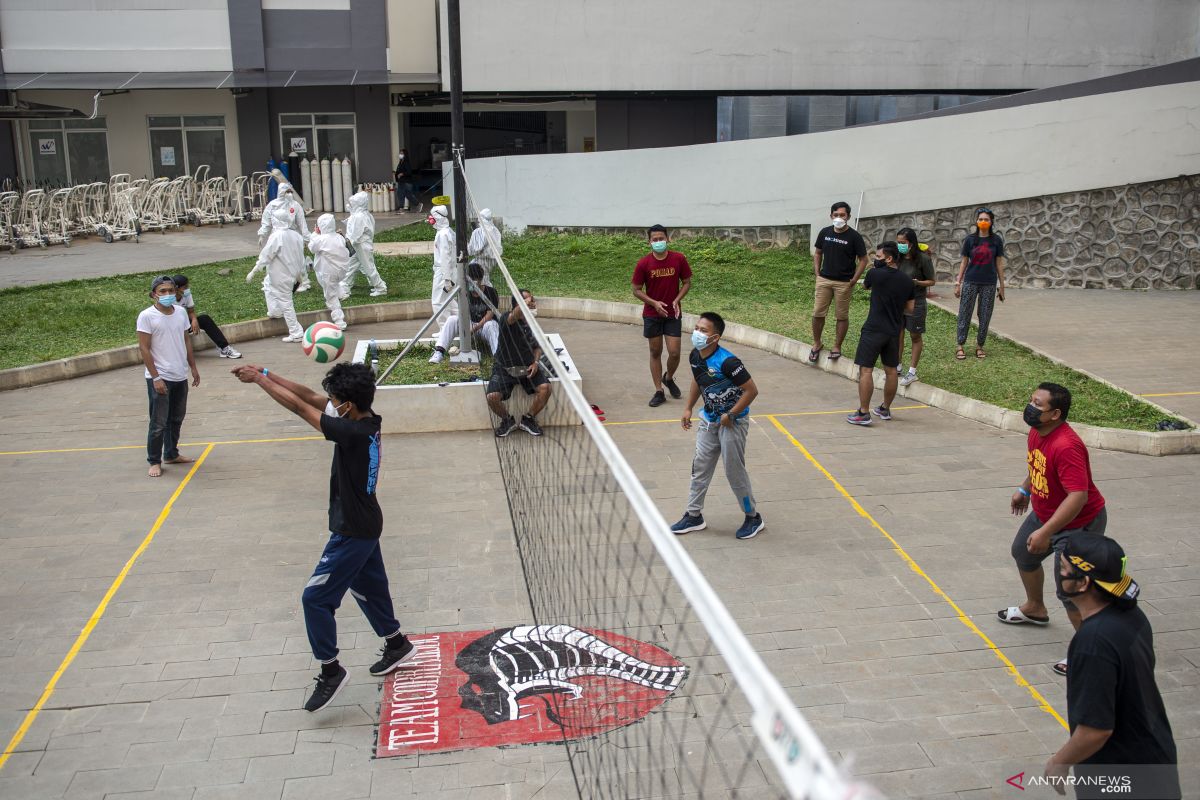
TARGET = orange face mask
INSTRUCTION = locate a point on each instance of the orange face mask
(984, 224)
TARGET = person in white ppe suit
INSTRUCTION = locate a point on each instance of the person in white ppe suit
(285, 198)
(360, 232)
(477, 248)
(283, 259)
(443, 261)
(331, 260)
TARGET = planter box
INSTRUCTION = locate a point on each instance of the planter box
(432, 407)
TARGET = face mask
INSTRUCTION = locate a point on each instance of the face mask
(658, 247)
(533, 312)
(903, 248)
(984, 225)
(431, 220)
(879, 262)
(401, 157)
(1074, 577)
(840, 223)
(332, 411)
(1033, 416)
(168, 300)
(699, 340)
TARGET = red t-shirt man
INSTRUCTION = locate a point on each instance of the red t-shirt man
(1058, 465)
(661, 278)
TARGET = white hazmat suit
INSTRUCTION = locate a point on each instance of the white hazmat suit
(285, 198)
(360, 232)
(443, 261)
(283, 259)
(477, 248)
(331, 261)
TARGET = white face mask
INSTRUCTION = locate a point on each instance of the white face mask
(839, 223)
(533, 312)
(332, 410)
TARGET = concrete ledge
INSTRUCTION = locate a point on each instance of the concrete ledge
(1150, 443)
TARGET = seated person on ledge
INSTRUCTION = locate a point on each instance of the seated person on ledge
(483, 319)
(517, 362)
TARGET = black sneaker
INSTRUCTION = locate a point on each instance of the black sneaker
(672, 387)
(530, 426)
(688, 523)
(506, 426)
(658, 399)
(392, 657)
(751, 527)
(327, 688)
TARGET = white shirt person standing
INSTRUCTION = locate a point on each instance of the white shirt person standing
(167, 355)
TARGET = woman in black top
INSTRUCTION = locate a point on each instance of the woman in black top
(404, 184)
(980, 277)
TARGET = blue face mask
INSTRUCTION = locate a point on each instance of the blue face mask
(658, 247)
(168, 300)
(902, 247)
(188, 292)
(699, 340)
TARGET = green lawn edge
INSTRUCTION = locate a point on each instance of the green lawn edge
(765, 288)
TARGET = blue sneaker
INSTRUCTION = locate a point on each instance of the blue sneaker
(883, 412)
(688, 523)
(859, 418)
(751, 527)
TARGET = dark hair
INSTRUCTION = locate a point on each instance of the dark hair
(521, 291)
(891, 249)
(657, 229)
(180, 281)
(840, 204)
(353, 382)
(1060, 397)
(914, 244)
(474, 271)
(717, 322)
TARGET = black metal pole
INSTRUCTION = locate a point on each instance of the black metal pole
(458, 154)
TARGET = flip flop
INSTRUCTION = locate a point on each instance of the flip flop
(834, 355)
(598, 411)
(814, 354)
(979, 353)
(1013, 616)
(960, 355)
(1060, 668)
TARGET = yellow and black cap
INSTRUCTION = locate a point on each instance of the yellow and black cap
(1103, 560)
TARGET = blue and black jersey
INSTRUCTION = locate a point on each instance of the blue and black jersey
(353, 506)
(720, 378)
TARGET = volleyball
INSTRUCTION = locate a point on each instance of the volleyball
(324, 342)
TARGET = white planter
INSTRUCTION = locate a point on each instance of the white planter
(430, 407)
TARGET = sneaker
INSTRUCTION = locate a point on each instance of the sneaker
(908, 377)
(437, 357)
(672, 387)
(327, 689)
(530, 426)
(341, 325)
(343, 295)
(379, 292)
(292, 338)
(751, 527)
(506, 426)
(658, 399)
(391, 658)
(859, 418)
(304, 287)
(688, 523)
(884, 414)
(229, 352)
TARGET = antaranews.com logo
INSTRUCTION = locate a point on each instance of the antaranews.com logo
(1106, 784)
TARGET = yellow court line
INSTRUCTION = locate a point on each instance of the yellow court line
(1168, 394)
(915, 567)
(760, 416)
(98, 613)
(141, 446)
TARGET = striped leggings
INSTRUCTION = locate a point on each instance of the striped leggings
(986, 294)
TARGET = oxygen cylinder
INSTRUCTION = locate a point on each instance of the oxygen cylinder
(347, 182)
(306, 180)
(272, 186)
(374, 199)
(326, 186)
(335, 170)
(390, 194)
(378, 198)
(293, 170)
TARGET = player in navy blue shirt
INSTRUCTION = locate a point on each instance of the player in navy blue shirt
(723, 382)
(352, 559)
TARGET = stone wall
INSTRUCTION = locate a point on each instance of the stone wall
(766, 236)
(1140, 236)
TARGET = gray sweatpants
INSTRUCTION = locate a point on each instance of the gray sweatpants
(728, 444)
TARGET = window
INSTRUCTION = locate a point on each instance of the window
(68, 152)
(180, 144)
(318, 136)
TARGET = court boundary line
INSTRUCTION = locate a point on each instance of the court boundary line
(961, 615)
(762, 416)
(141, 446)
(80, 640)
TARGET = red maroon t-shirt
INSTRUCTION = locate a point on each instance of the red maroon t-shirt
(1059, 465)
(661, 277)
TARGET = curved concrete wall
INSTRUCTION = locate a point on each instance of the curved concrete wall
(1077, 144)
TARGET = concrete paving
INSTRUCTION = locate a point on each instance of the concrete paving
(159, 251)
(191, 681)
(1143, 341)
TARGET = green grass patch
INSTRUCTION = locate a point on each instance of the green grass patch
(770, 289)
(416, 370)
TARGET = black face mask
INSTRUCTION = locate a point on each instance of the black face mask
(1076, 577)
(1033, 416)
(879, 262)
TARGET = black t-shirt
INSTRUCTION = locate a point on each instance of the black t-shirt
(981, 253)
(839, 251)
(516, 345)
(358, 448)
(891, 290)
(1110, 686)
(479, 308)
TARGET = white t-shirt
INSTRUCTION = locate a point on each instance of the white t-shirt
(168, 348)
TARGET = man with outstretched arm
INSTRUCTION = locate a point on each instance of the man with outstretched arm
(352, 559)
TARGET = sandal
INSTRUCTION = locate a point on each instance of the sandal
(814, 354)
(1060, 668)
(598, 411)
(960, 354)
(979, 353)
(834, 355)
(1014, 616)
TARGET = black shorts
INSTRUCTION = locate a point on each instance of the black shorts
(1029, 562)
(653, 327)
(915, 322)
(874, 345)
(502, 383)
